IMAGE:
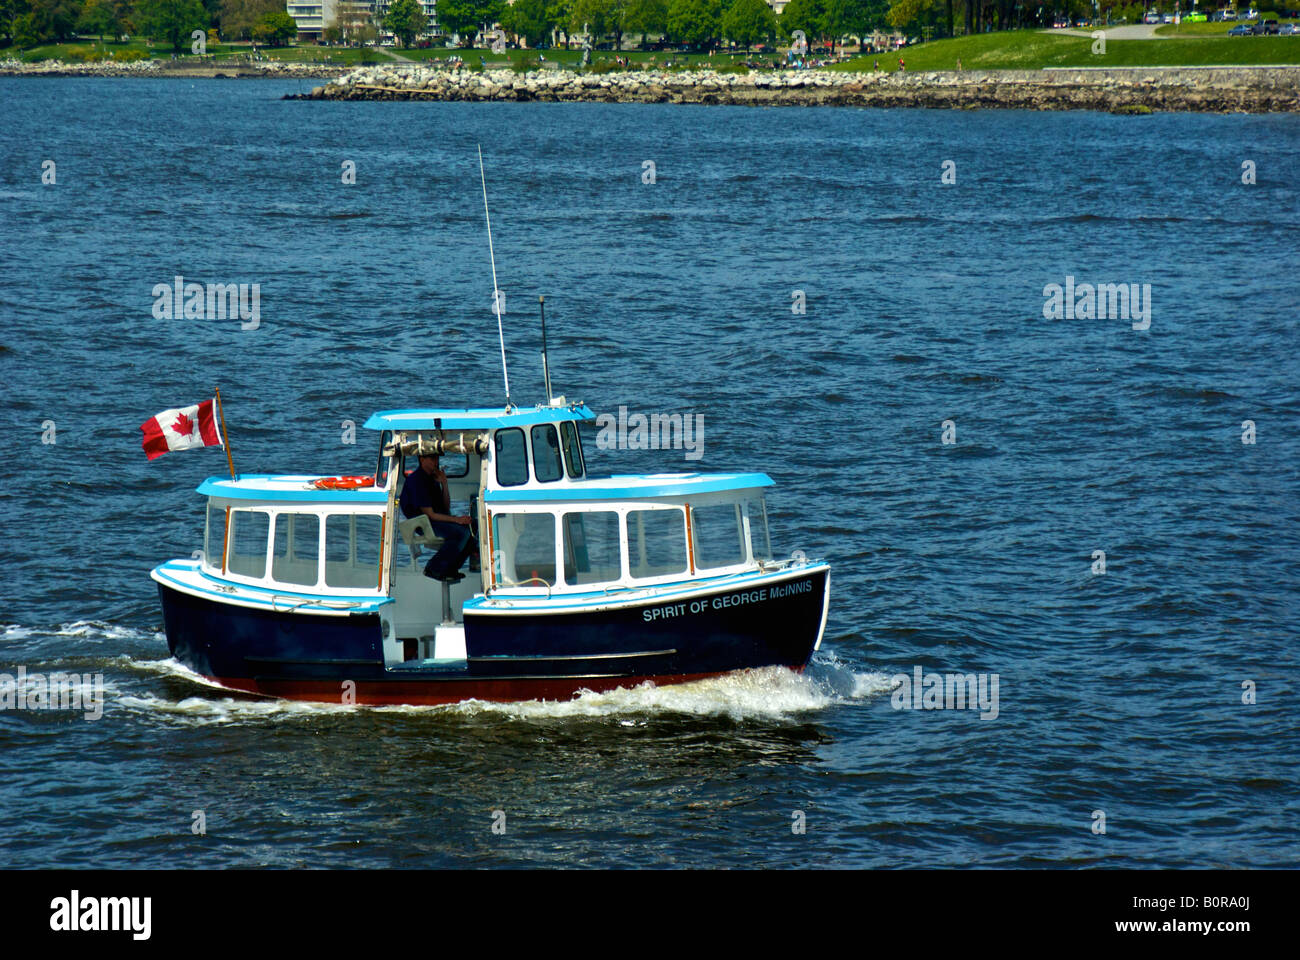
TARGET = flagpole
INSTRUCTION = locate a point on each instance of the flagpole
(225, 440)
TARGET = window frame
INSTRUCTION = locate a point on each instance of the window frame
(375, 586)
(496, 457)
(685, 572)
(559, 452)
(623, 579)
(742, 533)
(571, 429)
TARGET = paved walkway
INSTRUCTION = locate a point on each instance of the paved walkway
(1128, 31)
(397, 57)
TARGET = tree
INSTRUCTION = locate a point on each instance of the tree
(599, 17)
(99, 17)
(528, 19)
(171, 20)
(406, 20)
(646, 16)
(696, 22)
(275, 29)
(239, 17)
(749, 21)
(356, 22)
(904, 12)
(558, 12)
(55, 19)
(806, 15)
(24, 32)
(467, 16)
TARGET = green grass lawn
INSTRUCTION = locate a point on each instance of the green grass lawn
(305, 53)
(1032, 50)
(1008, 50)
(571, 58)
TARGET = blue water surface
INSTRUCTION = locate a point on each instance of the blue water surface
(1121, 694)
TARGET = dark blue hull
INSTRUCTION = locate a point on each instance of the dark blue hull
(509, 656)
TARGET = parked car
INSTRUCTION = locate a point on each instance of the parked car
(1265, 27)
(1288, 30)
(1229, 15)
(1241, 30)
(1167, 18)
(1151, 17)
(1060, 24)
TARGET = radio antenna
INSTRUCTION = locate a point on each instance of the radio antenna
(546, 368)
(496, 293)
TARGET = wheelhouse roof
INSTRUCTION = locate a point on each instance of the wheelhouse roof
(632, 487)
(290, 488)
(470, 419)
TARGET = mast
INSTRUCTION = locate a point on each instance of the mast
(546, 370)
(496, 293)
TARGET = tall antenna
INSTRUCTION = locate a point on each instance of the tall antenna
(546, 368)
(496, 294)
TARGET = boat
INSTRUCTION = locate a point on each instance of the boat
(311, 587)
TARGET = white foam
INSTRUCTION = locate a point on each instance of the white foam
(770, 693)
(14, 631)
(99, 630)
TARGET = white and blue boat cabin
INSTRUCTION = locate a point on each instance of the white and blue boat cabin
(582, 583)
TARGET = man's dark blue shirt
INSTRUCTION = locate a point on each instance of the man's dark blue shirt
(423, 490)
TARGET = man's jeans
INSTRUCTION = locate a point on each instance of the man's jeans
(457, 541)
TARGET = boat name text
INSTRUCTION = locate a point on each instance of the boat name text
(728, 600)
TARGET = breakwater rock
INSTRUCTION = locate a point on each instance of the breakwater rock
(1138, 90)
(164, 68)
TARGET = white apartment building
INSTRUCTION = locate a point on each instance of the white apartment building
(313, 16)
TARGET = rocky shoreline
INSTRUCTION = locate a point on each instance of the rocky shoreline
(1127, 90)
(1118, 90)
(161, 68)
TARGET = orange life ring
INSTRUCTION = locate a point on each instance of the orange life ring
(343, 483)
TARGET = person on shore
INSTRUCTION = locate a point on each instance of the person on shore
(876, 66)
(426, 492)
(902, 67)
(959, 64)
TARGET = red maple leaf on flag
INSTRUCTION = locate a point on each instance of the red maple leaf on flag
(183, 425)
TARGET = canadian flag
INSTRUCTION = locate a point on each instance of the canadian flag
(180, 429)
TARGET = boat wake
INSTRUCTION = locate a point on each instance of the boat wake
(770, 693)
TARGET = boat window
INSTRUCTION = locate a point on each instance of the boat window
(352, 550)
(524, 548)
(381, 467)
(760, 542)
(297, 548)
(248, 537)
(719, 537)
(572, 449)
(592, 550)
(454, 465)
(656, 542)
(214, 536)
(546, 453)
(511, 457)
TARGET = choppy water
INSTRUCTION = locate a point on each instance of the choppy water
(1119, 693)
